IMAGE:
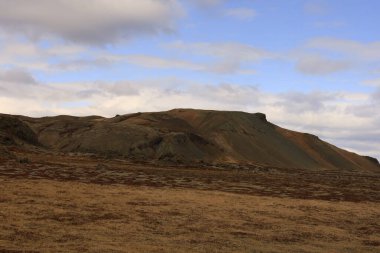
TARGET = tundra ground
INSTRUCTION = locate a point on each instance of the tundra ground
(61, 203)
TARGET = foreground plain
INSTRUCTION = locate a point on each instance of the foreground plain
(75, 203)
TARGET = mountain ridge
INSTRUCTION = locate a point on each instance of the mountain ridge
(185, 136)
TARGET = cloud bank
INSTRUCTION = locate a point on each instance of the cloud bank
(95, 22)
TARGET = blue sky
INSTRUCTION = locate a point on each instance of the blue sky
(310, 65)
(279, 27)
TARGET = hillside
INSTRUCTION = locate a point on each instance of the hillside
(183, 136)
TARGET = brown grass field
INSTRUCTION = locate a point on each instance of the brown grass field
(61, 203)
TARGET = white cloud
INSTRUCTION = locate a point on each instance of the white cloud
(241, 13)
(90, 22)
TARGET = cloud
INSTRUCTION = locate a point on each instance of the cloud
(241, 13)
(223, 67)
(349, 48)
(224, 58)
(332, 24)
(19, 84)
(229, 94)
(120, 88)
(317, 65)
(21, 55)
(208, 3)
(298, 102)
(373, 82)
(316, 8)
(95, 22)
(16, 76)
(376, 96)
(323, 56)
(158, 62)
(224, 50)
(32, 56)
(84, 63)
(59, 49)
(55, 57)
(220, 58)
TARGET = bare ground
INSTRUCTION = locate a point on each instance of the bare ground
(61, 203)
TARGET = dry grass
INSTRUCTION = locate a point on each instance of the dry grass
(70, 203)
(50, 216)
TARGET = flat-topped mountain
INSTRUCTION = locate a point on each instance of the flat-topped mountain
(185, 136)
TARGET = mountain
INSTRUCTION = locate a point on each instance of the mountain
(183, 136)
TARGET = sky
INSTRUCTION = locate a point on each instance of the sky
(309, 65)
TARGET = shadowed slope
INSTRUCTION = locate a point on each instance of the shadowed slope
(14, 131)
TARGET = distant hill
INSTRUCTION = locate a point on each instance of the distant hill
(183, 136)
